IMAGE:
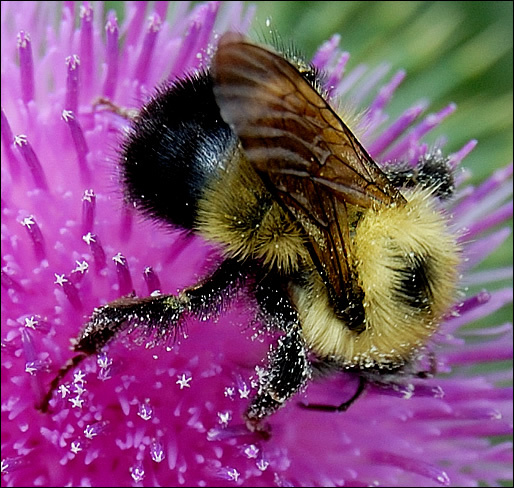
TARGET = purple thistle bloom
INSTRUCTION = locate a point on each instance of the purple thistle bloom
(141, 416)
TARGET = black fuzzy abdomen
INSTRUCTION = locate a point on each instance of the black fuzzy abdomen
(175, 145)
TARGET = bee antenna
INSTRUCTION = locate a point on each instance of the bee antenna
(70, 364)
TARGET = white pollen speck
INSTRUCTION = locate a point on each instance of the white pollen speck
(244, 392)
(229, 391)
(31, 322)
(79, 376)
(63, 390)
(251, 451)
(183, 381)
(119, 258)
(81, 267)
(60, 279)
(75, 447)
(233, 474)
(89, 432)
(28, 221)
(20, 140)
(76, 402)
(67, 115)
(224, 418)
(29, 368)
(137, 473)
(88, 238)
(88, 195)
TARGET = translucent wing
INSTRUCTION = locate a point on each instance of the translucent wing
(304, 152)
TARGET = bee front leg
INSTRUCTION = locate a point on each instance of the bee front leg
(159, 318)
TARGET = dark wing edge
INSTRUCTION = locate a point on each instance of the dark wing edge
(304, 152)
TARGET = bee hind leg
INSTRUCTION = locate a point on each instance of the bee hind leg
(158, 319)
(344, 406)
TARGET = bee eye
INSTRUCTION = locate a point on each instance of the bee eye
(414, 284)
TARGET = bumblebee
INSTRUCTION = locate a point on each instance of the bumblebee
(354, 265)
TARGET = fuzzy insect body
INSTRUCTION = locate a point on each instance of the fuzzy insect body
(354, 265)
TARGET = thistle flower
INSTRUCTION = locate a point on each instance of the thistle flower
(139, 416)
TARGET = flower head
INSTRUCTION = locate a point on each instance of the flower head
(135, 415)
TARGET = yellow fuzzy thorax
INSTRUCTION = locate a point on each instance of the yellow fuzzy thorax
(383, 240)
(237, 212)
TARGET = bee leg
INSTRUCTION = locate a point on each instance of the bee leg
(277, 311)
(109, 321)
(159, 318)
(339, 408)
(104, 103)
(433, 171)
(288, 370)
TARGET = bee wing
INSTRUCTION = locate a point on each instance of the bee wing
(304, 152)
